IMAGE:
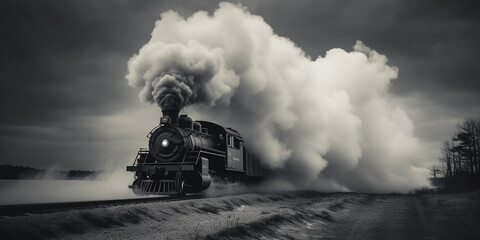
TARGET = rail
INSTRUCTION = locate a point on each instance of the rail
(36, 208)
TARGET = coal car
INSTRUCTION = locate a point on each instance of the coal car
(183, 156)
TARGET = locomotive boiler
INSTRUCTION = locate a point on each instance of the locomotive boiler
(184, 155)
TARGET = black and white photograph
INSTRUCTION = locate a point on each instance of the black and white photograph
(240, 119)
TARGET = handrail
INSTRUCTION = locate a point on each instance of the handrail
(141, 151)
(210, 149)
(150, 133)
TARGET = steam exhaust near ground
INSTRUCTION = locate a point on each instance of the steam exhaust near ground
(221, 188)
(111, 185)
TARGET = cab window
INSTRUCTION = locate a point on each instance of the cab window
(233, 142)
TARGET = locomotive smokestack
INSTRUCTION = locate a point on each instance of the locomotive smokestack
(172, 114)
(170, 105)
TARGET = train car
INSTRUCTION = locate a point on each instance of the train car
(184, 155)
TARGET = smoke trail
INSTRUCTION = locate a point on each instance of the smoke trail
(328, 123)
(190, 71)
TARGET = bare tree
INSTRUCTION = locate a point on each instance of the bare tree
(460, 159)
(446, 161)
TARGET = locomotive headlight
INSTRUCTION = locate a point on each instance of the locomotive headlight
(165, 143)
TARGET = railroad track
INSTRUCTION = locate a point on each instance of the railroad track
(37, 208)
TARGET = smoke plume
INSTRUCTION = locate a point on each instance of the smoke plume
(325, 123)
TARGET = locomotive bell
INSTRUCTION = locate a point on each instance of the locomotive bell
(197, 126)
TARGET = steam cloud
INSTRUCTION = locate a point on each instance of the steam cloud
(327, 123)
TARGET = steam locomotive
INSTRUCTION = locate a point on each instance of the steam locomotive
(184, 155)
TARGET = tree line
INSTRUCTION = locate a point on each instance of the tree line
(22, 172)
(459, 164)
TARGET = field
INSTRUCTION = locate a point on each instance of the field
(287, 215)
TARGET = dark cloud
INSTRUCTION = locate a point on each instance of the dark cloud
(63, 62)
(61, 59)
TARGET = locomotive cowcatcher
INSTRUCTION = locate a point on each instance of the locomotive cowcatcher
(184, 155)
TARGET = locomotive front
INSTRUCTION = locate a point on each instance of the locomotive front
(177, 160)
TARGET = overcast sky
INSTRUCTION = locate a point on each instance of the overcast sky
(65, 101)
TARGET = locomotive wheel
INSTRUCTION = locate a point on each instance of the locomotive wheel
(182, 188)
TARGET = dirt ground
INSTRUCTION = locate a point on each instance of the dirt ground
(290, 215)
